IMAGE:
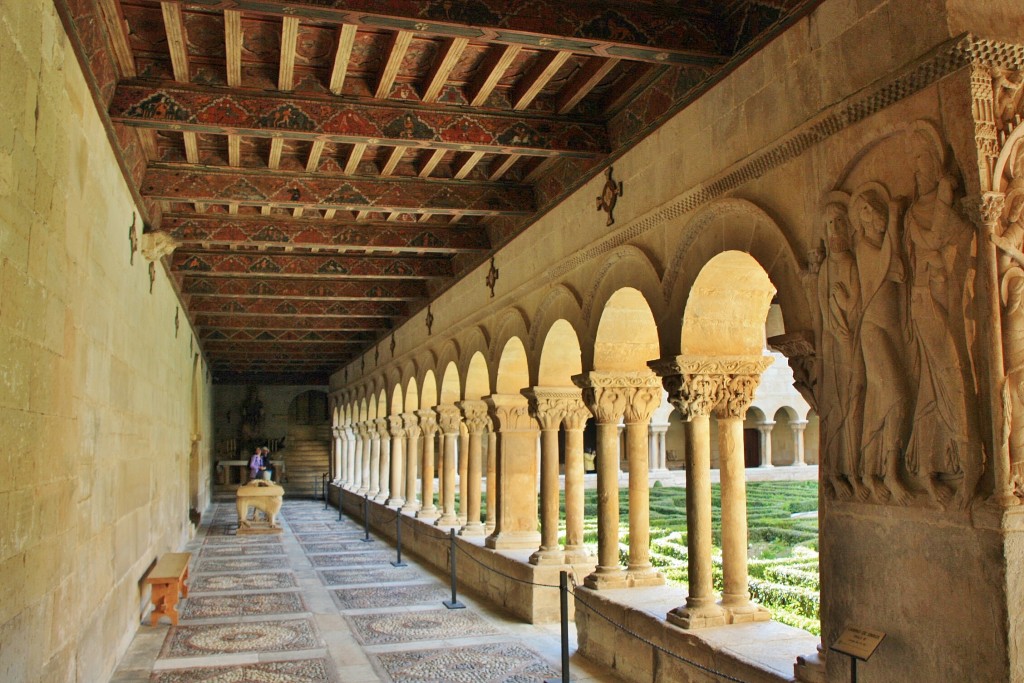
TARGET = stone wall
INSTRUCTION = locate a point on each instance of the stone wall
(96, 377)
(228, 399)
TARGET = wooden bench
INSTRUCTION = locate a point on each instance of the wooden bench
(168, 578)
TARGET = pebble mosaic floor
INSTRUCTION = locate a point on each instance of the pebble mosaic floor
(317, 605)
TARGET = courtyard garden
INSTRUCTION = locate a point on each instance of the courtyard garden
(783, 547)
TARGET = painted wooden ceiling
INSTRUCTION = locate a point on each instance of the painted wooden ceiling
(323, 168)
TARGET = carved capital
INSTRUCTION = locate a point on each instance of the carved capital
(576, 415)
(698, 385)
(396, 425)
(641, 402)
(474, 413)
(549, 404)
(608, 394)
(510, 412)
(986, 210)
(448, 418)
(428, 422)
(379, 428)
(412, 425)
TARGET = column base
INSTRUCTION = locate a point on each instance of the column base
(697, 616)
(547, 557)
(474, 529)
(373, 493)
(810, 668)
(429, 514)
(577, 555)
(742, 612)
(604, 578)
(361, 491)
(395, 503)
(411, 506)
(447, 520)
(646, 576)
(381, 497)
(513, 540)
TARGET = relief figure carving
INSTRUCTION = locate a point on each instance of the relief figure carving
(882, 276)
(1011, 286)
(939, 449)
(839, 303)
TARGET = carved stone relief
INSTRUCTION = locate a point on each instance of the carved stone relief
(899, 403)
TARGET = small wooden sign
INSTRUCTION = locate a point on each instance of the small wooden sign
(858, 642)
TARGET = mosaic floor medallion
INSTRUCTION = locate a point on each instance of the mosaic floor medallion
(390, 596)
(491, 663)
(241, 582)
(258, 636)
(378, 629)
(218, 541)
(251, 604)
(333, 538)
(225, 550)
(362, 575)
(370, 557)
(240, 564)
(301, 671)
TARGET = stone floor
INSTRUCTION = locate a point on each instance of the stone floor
(316, 604)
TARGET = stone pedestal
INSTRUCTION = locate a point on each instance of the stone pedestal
(516, 477)
(265, 497)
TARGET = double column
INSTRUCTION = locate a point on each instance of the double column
(383, 438)
(396, 425)
(474, 413)
(449, 419)
(698, 386)
(631, 396)
(428, 425)
(412, 460)
(554, 408)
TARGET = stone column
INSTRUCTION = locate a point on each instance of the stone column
(738, 393)
(373, 488)
(335, 454)
(621, 440)
(515, 481)
(491, 520)
(765, 431)
(463, 467)
(607, 402)
(475, 415)
(642, 398)
(549, 411)
(396, 426)
(428, 424)
(798, 427)
(695, 396)
(351, 454)
(574, 421)
(662, 451)
(412, 461)
(448, 419)
(362, 455)
(384, 464)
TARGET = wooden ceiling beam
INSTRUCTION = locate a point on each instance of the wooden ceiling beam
(500, 169)
(397, 46)
(490, 72)
(671, 35)
(234, 150)
(274, 160)
(233, 46)
(176, 43)
(433, 159)
(285, 322)
(178, 183)
(313, 161)
(260, 114)
(187, 229)
(191, 147)
(296, 289)
(311, 308)
(582, 82)
(289, 36)
(393, 159)
(113, 19)
(448, 56)
(342, 54)
(213, 264)
(354, 157)
(540, 74)
(467, 165)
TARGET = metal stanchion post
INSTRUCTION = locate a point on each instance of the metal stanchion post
(398, 540)
(341, 496)
(366, 519)
(323, 487)
(454, 603)
(563, 593)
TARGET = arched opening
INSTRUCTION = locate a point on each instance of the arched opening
(306, 451)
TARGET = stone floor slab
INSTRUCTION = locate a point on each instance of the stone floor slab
(261, 636)
(491, 663)
(301, 671)
(241, 582)
(407, 627)
(389, 596)
(251, 604)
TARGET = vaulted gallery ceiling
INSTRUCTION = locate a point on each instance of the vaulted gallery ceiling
(322, 168)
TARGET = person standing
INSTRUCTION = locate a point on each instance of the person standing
(257, 464)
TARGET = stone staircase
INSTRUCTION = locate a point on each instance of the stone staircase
(307, 454)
